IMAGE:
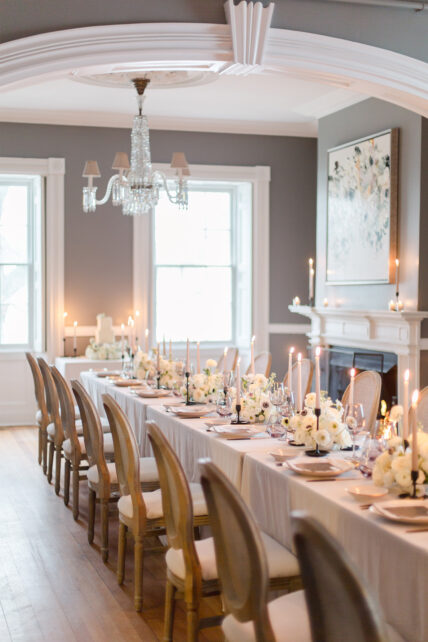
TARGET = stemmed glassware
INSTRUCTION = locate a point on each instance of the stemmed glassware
(224, 404)
(354, 419)
(278, 398)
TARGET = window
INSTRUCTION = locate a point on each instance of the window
(21, 262)
(202, 264)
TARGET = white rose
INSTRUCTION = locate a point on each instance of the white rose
(322, 438)
(310, 400)
(211, 363)
(403, 478)
(396, 413)
(198, 395)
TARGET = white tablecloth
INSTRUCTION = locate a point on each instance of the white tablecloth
(72, 367)
(394, 563)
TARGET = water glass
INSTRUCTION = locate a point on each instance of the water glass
(224, 405)
(354, 419)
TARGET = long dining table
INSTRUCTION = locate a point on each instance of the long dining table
(393, 561)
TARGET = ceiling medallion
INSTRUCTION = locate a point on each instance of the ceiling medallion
(159, 79)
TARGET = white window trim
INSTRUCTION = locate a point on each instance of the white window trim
(53, 170)
(259, 176)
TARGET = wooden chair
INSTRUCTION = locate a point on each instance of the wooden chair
(55, 433)
(307, 373)
(244, 572)
(102, 478)
(231, 360)
(330, 579)
(42, 415)
(141, 513)
(367, 389)
(262, 363)
(422, 409)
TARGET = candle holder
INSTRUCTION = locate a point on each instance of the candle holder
(188, 402)
(63, 342)
(317, 452)
(74, 352)
(311, 302)
(414, 474)
(238, 419)
(158, 380)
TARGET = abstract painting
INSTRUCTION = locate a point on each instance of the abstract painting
(362, 210)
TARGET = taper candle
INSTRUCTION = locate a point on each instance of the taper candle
(317, 378)
(64, 316)
(122, 338)
(198, 358)
(299, 382)
(164, 347)
(225, 361)
(397, 269)
(290, 369)
(75, 336)
(238, 382)
(253, 367)
(158, 358)
(414, 426)
(311, 279)
(146, 341)
(188, 356)
(352, 385)
(406, 404)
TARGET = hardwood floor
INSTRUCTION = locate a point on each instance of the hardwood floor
(53, 585)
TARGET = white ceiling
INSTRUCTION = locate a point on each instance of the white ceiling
(267, 103)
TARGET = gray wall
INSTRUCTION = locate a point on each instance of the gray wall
(423, 231)
(369, 117)
(98, 246)
(399, 30)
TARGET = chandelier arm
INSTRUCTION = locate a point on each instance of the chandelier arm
(110, 184)
(174, 198)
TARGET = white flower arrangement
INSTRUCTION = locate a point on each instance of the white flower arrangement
(255, 401)
(204, 386)
(332, 434)
(393, 467)
(145, 367)
(103, 351)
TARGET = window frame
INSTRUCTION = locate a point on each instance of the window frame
(259, 177)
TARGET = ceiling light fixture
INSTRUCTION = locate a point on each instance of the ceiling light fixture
(136, 186)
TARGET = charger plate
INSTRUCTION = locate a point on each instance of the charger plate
(190, 412)
(405, 511)
(331, 467)
(148, 393)
(128, 383)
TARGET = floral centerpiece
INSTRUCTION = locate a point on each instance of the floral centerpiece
(256, 406)
(204, 386)
(393, 467)
(145, 367)
(103, 351)
(332, 433)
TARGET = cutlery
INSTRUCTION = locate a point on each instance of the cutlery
(417, 530)
(332, 479)
(365, 506)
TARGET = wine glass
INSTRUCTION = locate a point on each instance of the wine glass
(224, 405)
(277, 398)
(354, 419)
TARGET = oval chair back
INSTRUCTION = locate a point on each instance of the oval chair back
(176, 503)
(329, 580)
(68, 416)
(39, 388)
(231, 359)
(422, 409)
(52, 401)
(127, 461)
(262, 363)
(367, 389)
(240, 555)
(307, 373)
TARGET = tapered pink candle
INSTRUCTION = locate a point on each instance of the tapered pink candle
(406, 405)
(253, 367)
(311, 279)
(414, 426)
(317, 378)
(397, 269)
(75, 336)
(131, 333)
(122, 338)
(290, 369)
(146, 341)
(198, 358)
(351, 389)
(238, 382)
(188, 356)
(299, 383)
(225, 361)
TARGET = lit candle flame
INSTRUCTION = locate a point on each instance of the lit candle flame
(299, 356)
(75, 324)
(311, 262)
(353, 372)
(397, 262)
(253, 339)
(291, 351)
(383, 407)
(65, 315)
(147, 332)
(415, 398)
(406, 375)
(318, 351)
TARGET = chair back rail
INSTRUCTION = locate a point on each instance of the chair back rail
(240, 555)
(231, 359)
(68, 415)
(52, 401)
(330, 579)
(262, 363)
(39, 388)
(307, 373)
(367, 390)
(127, 462)
(177, 505)
(422, 409)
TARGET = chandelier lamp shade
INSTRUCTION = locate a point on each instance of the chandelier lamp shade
(136, 185)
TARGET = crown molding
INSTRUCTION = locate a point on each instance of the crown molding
(366, 69)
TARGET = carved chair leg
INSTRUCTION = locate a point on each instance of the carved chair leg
(40, 446)
(51, 458)
(67, 481)
(104, 529)
(45, 451)
(57, 469)
(138, 572)
(169, 611)
(91, 515)
(76, 482)
(121, 552)
(192, 617)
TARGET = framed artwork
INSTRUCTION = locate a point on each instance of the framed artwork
(362, 206)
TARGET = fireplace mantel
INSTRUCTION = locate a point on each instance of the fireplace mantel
(377, 330)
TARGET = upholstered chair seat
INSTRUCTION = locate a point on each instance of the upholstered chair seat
(281, 562)
(148, 472)
(108, 446)
(153, 502)
(79, 428)
(288, 616)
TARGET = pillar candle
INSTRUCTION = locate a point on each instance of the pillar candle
(238, 382)
(351, 389)
(122, 338)
(146, 341)
(299, 383)
(158, 358)
(188, 356)
(75, 336)
(406, 405)
(253, 367)
(290, 369)
(317, 378)
(311, 279)
(225, 361)
(170, 350)
(414, 426)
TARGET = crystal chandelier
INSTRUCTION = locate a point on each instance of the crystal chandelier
(136, 186)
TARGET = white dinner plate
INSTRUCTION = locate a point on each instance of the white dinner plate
(330, 467)
(367, 492)
(405, 511)
(230, 432)
(128, 383)
(191, 412)
(282, 454)
(108, 373)
(152, 393)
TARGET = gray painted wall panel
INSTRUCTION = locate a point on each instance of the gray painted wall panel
(279, 345)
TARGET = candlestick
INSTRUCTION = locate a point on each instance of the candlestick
(253, 367)
(406, 405)
(131, 334)
(311, 281)
(316, 452)
(170, 350)
(299, 383)
(290, 370)
(188, 356)
(75, 338)
(317, 378)
(351, 388)
(198, 358)
(397, 269)
(122, 338)
(65, 315)
(137, 325)
(238, 382)
(225, 361)
(414, 427)
(146, 341)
